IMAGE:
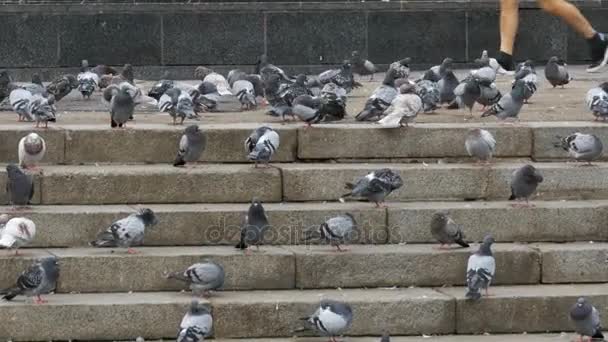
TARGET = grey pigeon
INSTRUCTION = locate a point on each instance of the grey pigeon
(404, 109)
(429, 94)
(437, 72)
(262, 144)
(209, 97)
(447, 84)
(245, 93)
(159, 89)
(19, 186)
(265, 69)
(30, 106)
(272, 93)
(39, 279)
(489, 95)
(220, 83)
(291, 91)
(122, 99)
(235, 75)
(481, 269)
(524, 182)
(177, 103)
(88, 81)
(467, 93)
(446, 231)
(509, 105)
(127, 232)
(480, 144)
(333, 98)
(402, 67)
(582, 147)
(307, 109)
(191, 146)
(62, 86)
(238, 75)
(385, 337)
(597, 101)
(256, 224)
(202, 277)
(5, 85)
(556, 72)
(196, 323)
(527, 73)
(336, 230)
(375, 186)
(381, 98)
(342, 77)
(362, 66)
(331, 318)
(586, 320)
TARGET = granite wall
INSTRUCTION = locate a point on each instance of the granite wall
(57, 34)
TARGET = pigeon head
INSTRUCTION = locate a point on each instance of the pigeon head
(36, 79)
(604, 86)
(33, 143)
(486, 245)
(346, 65)
(519, 89)
(476, 132)
(440, 216)
(51, 267)
(484, 54)
(105, 81)
(197, 308)
(256, 208)
(581, 310)
(480, 63)
(71, 81)
(148, 217)
(49, 262)
(84, 65)
(263, 60)
(390, 77)
(13, 170)
(192, 130)
(201, 72)
(4, 218)
(531, 175)
(529, 63)
(356, 57)
(301, 79)
(185, 105)
(207, 88)
(446, 65)
(406, 61)
(553, 60)
(4, 77)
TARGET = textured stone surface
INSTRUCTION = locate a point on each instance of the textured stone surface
(314, 37)
(140, 184)
(111, 39)
(220, 38)
(22, 45)
(419, 35)
(112, 270)
(547, 221)
(446, 338)
(574, 263)
(545, 136)
(537, 308)
(407, 265)
(424, 140)
(273, 314)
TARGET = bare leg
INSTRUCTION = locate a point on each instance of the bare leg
(570, 14)
(509, 21)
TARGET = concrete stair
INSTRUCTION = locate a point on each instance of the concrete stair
(393, 275)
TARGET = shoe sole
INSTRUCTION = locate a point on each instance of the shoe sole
(601, 65)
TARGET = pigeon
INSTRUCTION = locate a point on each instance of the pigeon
(209, 97)
(19, 186)
(62, 86)
(447, 84)
(5, 85)
(177, 103)
(342, 77)
(380, 100)
(17, 232)
(385, 337)
(99, 70)
(437, 72)
(582, 147)
(290, 91)
(191, 146)
(35, 87)
(31, 150)
(446, 231)
(223, 88)
(265, 69)
(429, 94)
(256, 224)
(331, 318)
(489, 95)
(402, 67)
(527, 73)
(481, 268)
(597, 101)
(202, 277)
(272, 93)
(404, 108)
(88, 81)
(29, 106)
(201, 72)
(39, 279)
(122, 99)
(127, 232)
(480, 144)
(586, 320)
(492, 63)
(307, 109)
(336, 231)
(362, 66)
(333, 98)
(467, 93)
(244, 91)
(556, 72)
(524, 182)
(509, 105)
(158, 89)
(196, 324)
(262, 144)
(235, 75)
(375, 186)
(239, 75)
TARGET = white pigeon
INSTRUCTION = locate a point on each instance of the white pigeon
(481, 268)
(332, 318)
(262, 144)
(17, 232)
(127, 232)
(582, 147)
(31, 150)
(480, 144)
(196, 324)
(403, 109)
(87, 83)
(220, 82)
(597, 101)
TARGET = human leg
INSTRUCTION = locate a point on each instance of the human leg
(509, 20)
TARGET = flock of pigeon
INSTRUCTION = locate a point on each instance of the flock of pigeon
(396, 102)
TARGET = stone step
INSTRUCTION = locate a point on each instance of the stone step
(314, 267)
(244, 314)
(157, 143)
(220, 183)
(219, 224)
(426, 338)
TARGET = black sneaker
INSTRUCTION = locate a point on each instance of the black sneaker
(506, 62)
(599, 53)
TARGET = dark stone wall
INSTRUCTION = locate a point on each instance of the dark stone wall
(44, 34)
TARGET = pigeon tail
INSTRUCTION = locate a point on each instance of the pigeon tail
(598, 335)
(241, 245)
(7, 241)
(512, 197)
(473, 294)
(177, 276)
(179, 161)
(10, 293)
(462, 243)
